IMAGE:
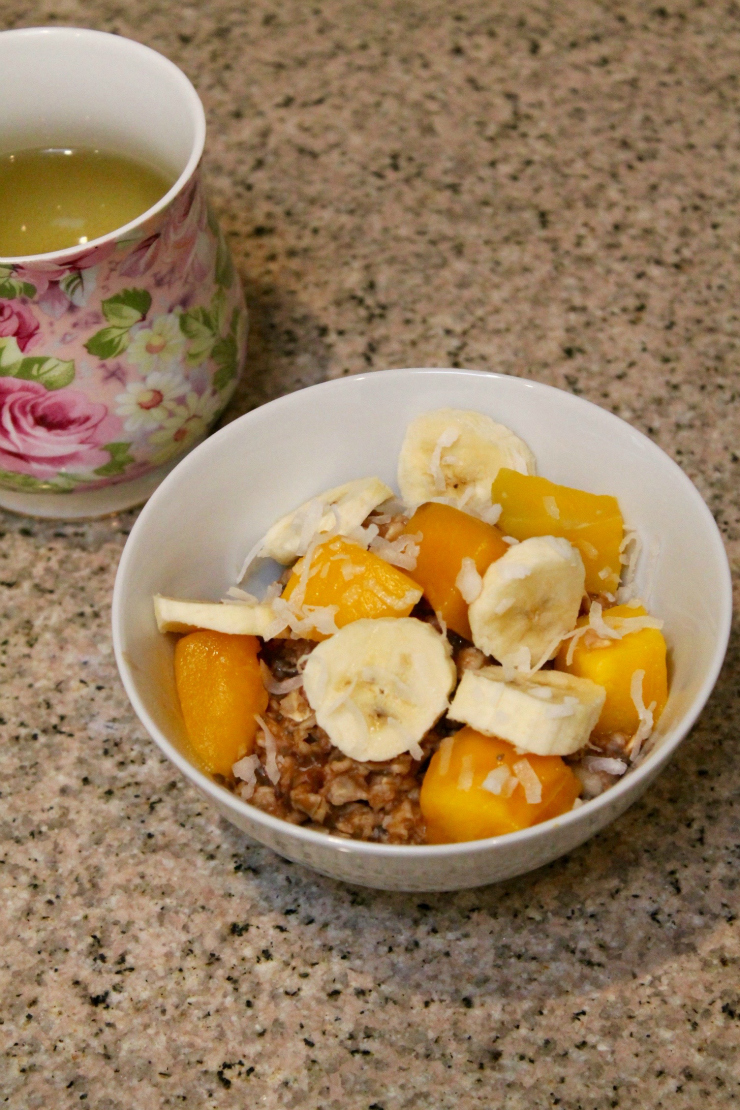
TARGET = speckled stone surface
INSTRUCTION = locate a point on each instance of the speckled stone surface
(551, 190)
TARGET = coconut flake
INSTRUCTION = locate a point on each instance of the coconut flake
(551, 507)
(273, 686)
(510, 540)
(445, 754)
(629, 560)
(529, 779)
(401, 552)
(492, 514)
(465, 778)
(566, 708)
(235, 596)
(500, 782)
(246, 770)
(446, 439)
(604, 763)
(271, 763)
(349, 570)
(442, 623)
(519, 660)
(645, 714)
(363, 537)
(469, 581)
(511, 571)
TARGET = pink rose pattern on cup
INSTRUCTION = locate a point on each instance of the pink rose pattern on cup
(118, 360)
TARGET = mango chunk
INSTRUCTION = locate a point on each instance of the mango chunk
(593, 523)
(358, 582)
(220, 689)
(449, 536)
(457, 807)
(612, 663)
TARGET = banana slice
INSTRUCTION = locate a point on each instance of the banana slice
(546, 714)
(529, 600)
(290, 536)
(237, 619)
(456, 454)
(378, 686)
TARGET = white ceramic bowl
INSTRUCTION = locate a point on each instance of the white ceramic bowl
(193, 534)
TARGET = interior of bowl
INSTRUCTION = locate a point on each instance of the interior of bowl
(193, 535)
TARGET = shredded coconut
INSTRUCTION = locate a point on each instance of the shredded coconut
(566, 708)
(401, 552)
(510, 540)
(510, 571)
(469, 581)
(551, 507)
(363, 537)
(445, 754)
(645, 726)
(252, 556)
(272, 685)
(465, 778)
(604, 763)
(491, 515)
(441, 622)
(447, 438)
(309, 520)
(349, 570)
(629, 560)
(607, 628)
(500, 781)
(235, 596)
(590, 550)
(271, 763)
(529, 779)
(245, 769)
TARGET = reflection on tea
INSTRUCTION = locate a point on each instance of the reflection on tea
(57, 198)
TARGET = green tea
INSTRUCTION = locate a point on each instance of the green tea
(57, 198)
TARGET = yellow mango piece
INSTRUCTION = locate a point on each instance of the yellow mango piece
(358, 582)
(456, 807)
(449, 536)
(220, 689)
(532, 506)
(612, 663)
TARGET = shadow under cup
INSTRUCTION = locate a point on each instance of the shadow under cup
(115, 357)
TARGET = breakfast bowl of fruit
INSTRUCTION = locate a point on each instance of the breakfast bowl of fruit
(422, 629)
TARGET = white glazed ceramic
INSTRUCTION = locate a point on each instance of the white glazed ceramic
(116, 356)
(194, 532)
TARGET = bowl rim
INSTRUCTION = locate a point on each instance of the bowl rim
(220, 795)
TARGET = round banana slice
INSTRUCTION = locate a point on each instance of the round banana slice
(344, 508)
(378, 686)
(549, 713)
(529, 600)
(456, 454)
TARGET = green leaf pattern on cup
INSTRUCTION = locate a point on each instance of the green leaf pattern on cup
(53, 373)
(120, 458)
(11, 287)
(122, 311)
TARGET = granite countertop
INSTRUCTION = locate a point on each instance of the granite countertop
(547, 190)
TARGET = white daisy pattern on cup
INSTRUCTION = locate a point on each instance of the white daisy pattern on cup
(186, 422)
(147, 404)
(158, 345)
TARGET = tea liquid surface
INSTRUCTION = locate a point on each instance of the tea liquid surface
(58, 198)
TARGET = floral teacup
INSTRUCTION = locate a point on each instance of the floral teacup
(115, 357)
